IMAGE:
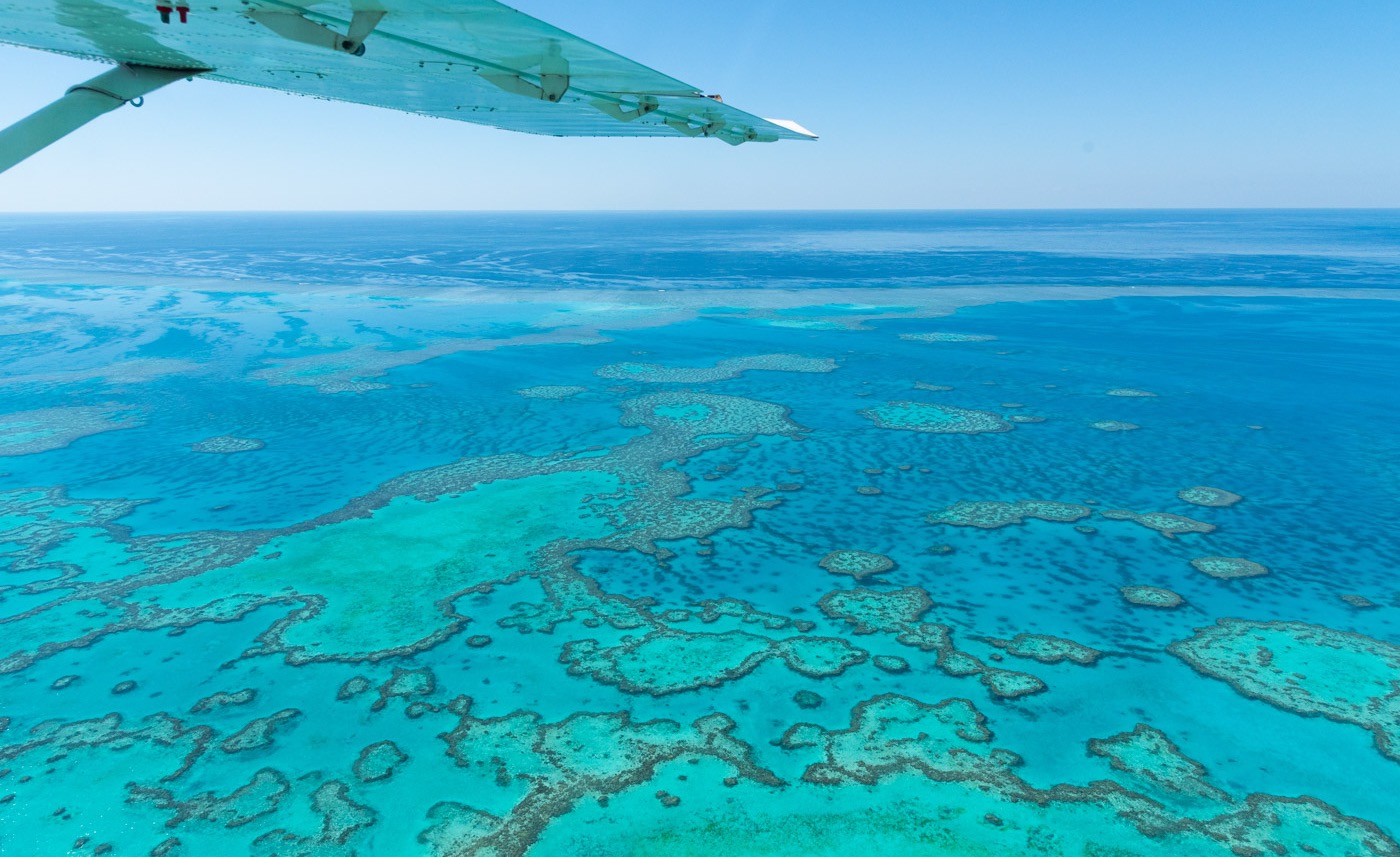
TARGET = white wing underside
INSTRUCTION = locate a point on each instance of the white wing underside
(470, 60)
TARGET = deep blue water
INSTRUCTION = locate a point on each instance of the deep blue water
(418, 450)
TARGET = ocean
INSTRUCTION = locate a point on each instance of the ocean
(949, 533)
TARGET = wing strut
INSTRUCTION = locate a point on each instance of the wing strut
(80, 105)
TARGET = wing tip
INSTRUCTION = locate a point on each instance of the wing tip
(793, 127)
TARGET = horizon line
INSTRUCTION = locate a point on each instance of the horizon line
(911, 210)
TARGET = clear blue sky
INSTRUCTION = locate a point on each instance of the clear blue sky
(920, 104)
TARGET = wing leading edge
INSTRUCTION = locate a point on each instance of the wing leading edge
(469, 60)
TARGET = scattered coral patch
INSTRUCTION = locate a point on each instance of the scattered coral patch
(992, 514)
(227, 444)
(1151, 596)
(1228, 567)
(934, 419)
(1203, 495)
(1165, 523)
(857, 564)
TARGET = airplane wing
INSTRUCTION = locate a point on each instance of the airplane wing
(470, 60)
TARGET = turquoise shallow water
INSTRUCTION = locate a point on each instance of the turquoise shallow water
(959, 534)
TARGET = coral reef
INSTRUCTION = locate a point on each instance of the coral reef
(1046, 649)
(856, 564)
(1202, 495)
(949, 745)
(1114, 425)
(585, 756)
(991, 514)
(890, 663)
(899, 613)
(664, 662)
(1228, 567)
(222, 698)
(259, 732)
(378, 761)
(1307, 669)
(227, 444)
(45, 429)
(1148, 753)
(936, 419)
(1165, 523)
(731, 367)
(1151, 596)
(554, 391)
(938, 336)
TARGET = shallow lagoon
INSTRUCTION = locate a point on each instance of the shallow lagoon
(764, 534)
